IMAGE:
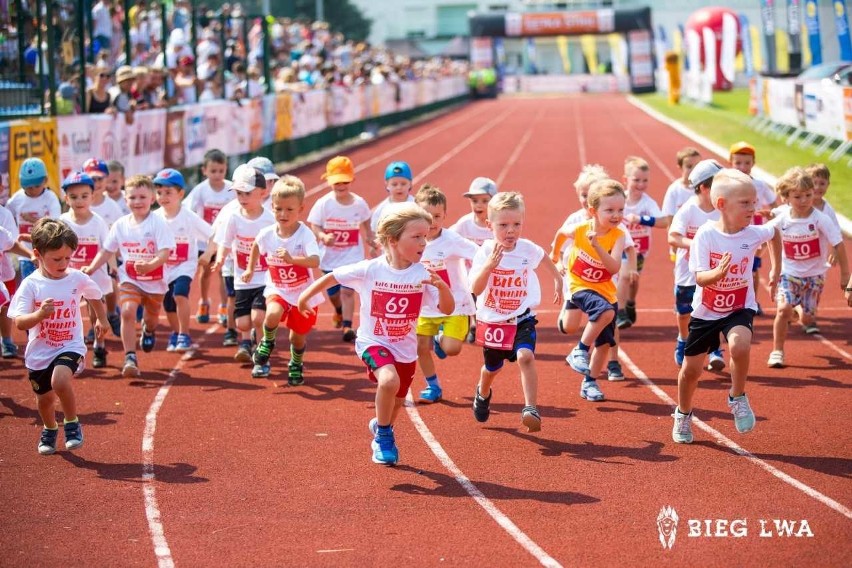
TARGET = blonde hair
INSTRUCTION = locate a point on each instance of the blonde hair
(139, 180)
(396, 218)
(726, 181)
(819, 170)
(289, 186)
(431, 195)
(589, 175)
(604, 188)
(796, 178)
(635, 163)
(684, 153)
(506, 200)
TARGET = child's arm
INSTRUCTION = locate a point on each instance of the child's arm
(706, 278)
(479, 279)
(612, 262)
(21, 250)
(29, 321)
(551, 268)
(679, 241)
(559, 241)
(775, 248)
(311, 261)
(446, 302)
(849, 292)
(843, 261)
(100, 259)
(102, 324)
(322, 236)
(144, 267)
(370, 248)
(316, 287)
(254, 255)
(631, 268)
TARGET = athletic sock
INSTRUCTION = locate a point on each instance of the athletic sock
(347, 323)
(432, 381)
(296, 355)
(385, 429)
(582, 346)
(269, 334)
(588, 378)
(66, 421)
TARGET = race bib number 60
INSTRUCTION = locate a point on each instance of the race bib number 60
(500, 335)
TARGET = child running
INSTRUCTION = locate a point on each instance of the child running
(504, 281)
(47, 306)
(398, 181)
(144, 241)
(596, 249)
(720, 256)
(9, 246)
(188, 229)
(91, 231)
(291, 253)
(340, 220)
(808, 235)
(115, 185)
(392, 289)
(35, 201)
(106, 208)
(446, 253)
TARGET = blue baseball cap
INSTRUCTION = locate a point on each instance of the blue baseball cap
(78, 178)
(265, 166)
(95, 168)
(33, 172)
(169, 177)
(398, 169)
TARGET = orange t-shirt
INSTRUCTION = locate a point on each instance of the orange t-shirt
(585, 271)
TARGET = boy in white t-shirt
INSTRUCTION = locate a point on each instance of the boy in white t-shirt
(340, 220)
(686, 222)
(291, 252)
(398, 181)
(641, 214)
(206, 200)
(47, 305)
(236, 235)
(392, 289)
(474, 225)
(446, 253)
(107, 209)
(144, 242)
(115, 185)
(188, 229)
(808, 236)
(681, 190)
(91, 231)
(721, 256)
(35, 201)
(9, 245)
(503, 279)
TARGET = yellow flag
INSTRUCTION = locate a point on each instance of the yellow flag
(562, 45)
(806, 48)
(589, 45)
(782, 55)
(756, 52)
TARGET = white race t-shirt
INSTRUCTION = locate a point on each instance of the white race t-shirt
(7, 221)
(206, 202)
(379, 211)
(63, 331)
(45, 205)
(734, 291)
(122, 203)
(390, 304)
(188, 229)
(765, 198)
(686, 222)
(344, 222)
(4, 295)
(807, 242)
(676, 196)
(109, 211)
(467, 227)
(288, 280)
(447, 255)
(141, 242)
(238, 234)
(90, 236)
(512, 286)
(641, 234)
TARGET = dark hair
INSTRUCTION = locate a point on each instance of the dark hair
(214, 155)
(430, 195)
(51, 234)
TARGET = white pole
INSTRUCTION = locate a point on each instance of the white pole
(320, 11)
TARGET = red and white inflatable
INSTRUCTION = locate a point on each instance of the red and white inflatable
(717, 30)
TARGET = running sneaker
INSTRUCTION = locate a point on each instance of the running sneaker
(682, 429)
(432, 393)
(260, 371)
(73, 435)
(184, 343)
(203, 313)
(337, 320)
(630, 311)
(531, 418)
(9, 349)
(614, 372)
(480, 406)
(47, 441)
(230, 338)
(743, 414)
(439, 351)
(384, 448)
(263, 351)
(591, 391)
(148, 340)
(99, 357)
(243, 354)
(716, 361)
(622, 321)
(373, 425)
(173, 337)
(578, 359)
(776, 360)
(810, 329)
(680, 352)
(223, 315)
(131, 366)
(295, 374)
(349, 334)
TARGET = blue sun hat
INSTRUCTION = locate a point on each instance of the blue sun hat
(170, 177)
(398, 169)
(33, 172)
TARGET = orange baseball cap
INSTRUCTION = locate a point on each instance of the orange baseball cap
(742, 148)
(339, 170)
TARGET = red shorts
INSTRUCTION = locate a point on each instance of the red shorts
(11, 286)
(293, 318)
(376, 357)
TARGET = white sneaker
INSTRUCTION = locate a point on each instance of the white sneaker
(715, 361)
(682, 429)
(743, 414)
(776, 360)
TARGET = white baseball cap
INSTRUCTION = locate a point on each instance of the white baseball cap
(703, 171)
(247, 178)
(482, 186)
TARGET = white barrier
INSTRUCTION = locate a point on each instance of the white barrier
(566, 84)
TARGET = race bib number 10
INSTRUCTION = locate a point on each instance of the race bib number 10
(802, 250)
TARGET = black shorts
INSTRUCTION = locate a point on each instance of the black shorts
(41, 380)
(524, 339)
(248, 300)
(703, 335)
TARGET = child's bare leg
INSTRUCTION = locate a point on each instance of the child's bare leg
(739, 346)
(571, 320)
(486, 379)
(61, 383)
(598, 360)
(347, 302)
(174, 322)
(594, 328)
(128, 325)
(257, 318)
(613, 351)
(398, 404)
(779, 327)
(182, 303)
(47, 409)
(451, 345)
(683, 326)
(424, 355)
(687, 381)
(204, 275)
(529, 376)
(388, 386)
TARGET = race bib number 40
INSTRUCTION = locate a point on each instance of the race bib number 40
(588, 271)
(500, 335)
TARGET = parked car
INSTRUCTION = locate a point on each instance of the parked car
(838, 72)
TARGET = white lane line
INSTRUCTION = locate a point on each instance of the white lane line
(831, 345)
(152, 510)
(581, 134)
(518, 149)
(725, 441)
(397, 149)
(505, 523)
(647, 149)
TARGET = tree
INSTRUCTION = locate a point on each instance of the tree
(342, 16)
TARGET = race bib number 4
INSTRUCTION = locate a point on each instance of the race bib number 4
(724, 301)
(798, 250)
(499, 335)
(395, 305)
(84, 255)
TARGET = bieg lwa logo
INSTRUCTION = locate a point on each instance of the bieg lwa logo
(667, 526)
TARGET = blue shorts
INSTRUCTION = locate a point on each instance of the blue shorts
(683, 299)
(177, 287)
(229, 286)
(758, 262)
(333, 289)
(594, 306)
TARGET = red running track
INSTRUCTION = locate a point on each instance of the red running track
(230, 470)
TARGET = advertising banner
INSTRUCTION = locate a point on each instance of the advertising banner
(77, 141)
(218, 127)
(560, 23)
(847, 112)
(4, 163)
(195, 134)
(174, 150)
(269, 123)
(767, 19)
(283, 116)
(812, 27)
(641, 59)
(841, 26)
(33, 138)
